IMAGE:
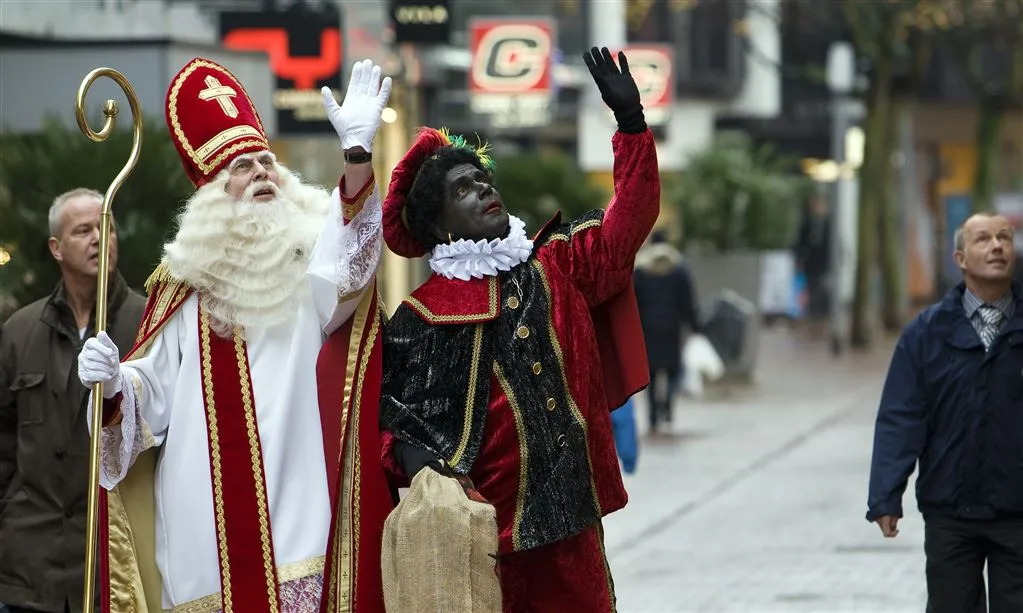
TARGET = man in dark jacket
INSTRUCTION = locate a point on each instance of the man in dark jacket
(953, 402)
(667, 310)
(44, 440)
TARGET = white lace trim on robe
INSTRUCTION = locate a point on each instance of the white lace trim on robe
(345, 258)
(121, 444)
(362, 242)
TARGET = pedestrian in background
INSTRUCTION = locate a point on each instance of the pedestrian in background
(953, 401)
(667, 312)
(813, 262)
(44, 439)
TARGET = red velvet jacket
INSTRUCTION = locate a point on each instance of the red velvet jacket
(510, 379)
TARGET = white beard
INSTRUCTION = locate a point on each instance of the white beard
(248, 259)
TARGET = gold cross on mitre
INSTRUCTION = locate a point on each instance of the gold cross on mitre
(222, 94)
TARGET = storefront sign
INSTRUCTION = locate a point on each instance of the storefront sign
(652, 66)
(421, 21)
(305, 54)
(510, 76)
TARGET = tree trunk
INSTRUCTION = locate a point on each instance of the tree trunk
(891, 255)
(989, 124)
(871, 177)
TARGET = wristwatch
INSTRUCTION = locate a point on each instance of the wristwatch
(358, 157)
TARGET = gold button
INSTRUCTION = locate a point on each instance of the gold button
(522, 332)
(551, 405)
(537, 368)
(561, 440)
(513, 303)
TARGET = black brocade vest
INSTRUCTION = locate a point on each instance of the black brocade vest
(436, 389)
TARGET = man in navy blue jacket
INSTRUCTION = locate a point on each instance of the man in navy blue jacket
(953, 401)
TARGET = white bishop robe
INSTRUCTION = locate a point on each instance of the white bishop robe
(163, 406)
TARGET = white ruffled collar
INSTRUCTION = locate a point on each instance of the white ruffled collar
(464, 259)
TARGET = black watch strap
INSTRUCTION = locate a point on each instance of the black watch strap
(358, 157)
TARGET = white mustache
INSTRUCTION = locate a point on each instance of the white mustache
(250, 192)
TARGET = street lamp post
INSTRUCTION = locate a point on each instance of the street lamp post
(845, 114)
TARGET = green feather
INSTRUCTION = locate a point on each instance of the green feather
(482, 150)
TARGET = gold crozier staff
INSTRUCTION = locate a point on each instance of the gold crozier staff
(110, 111)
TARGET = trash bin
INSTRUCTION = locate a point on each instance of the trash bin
(731, 327)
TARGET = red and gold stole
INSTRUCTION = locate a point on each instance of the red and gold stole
(248, 572)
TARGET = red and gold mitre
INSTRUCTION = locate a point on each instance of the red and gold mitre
(211, 119)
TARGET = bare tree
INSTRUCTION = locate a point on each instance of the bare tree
(988, 43)
(895, 38)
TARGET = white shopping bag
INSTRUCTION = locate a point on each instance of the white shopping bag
(701, 361)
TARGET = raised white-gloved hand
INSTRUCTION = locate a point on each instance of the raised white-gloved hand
(357, 118)
(99, 362)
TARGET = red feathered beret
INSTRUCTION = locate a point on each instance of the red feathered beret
(396, 231)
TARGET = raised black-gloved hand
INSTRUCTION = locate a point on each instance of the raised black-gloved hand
(413, 459)
(617, 88)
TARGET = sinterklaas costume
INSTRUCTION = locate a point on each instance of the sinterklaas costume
(510, 376)
(243, 472)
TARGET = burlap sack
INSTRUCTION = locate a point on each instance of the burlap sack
(439, 551)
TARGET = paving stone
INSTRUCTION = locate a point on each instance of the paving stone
(755, 503)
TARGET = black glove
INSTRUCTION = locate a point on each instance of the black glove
(617, 88)
(413, 459)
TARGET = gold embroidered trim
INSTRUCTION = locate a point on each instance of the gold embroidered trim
(126, 588)
(343, 565)
(470, 395)
(573, 407)
(171, 295)
(210, 147)
(206, 604)
(300, 570)
(350, 210)
(161, 274)
(354, 455)
(586, 225)
(172, 113)
(607, 569)
(286, 573)
(343, 298)
(136, 384)
(215, 460)
(257, 471)
(520, 429)
(433, 318)
(149, 441)
(218, 475)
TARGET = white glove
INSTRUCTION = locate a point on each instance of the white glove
(357, 119)
(100, 362)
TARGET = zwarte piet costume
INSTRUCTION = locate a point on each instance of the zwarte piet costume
(506, 362)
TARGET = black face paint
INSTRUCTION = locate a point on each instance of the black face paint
(473, 209)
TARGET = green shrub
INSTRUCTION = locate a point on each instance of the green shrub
(35, 168)
(733, 196)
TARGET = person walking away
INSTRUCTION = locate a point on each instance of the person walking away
(813, 260)
(952, 403)
(44, 438)
(667, 312)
